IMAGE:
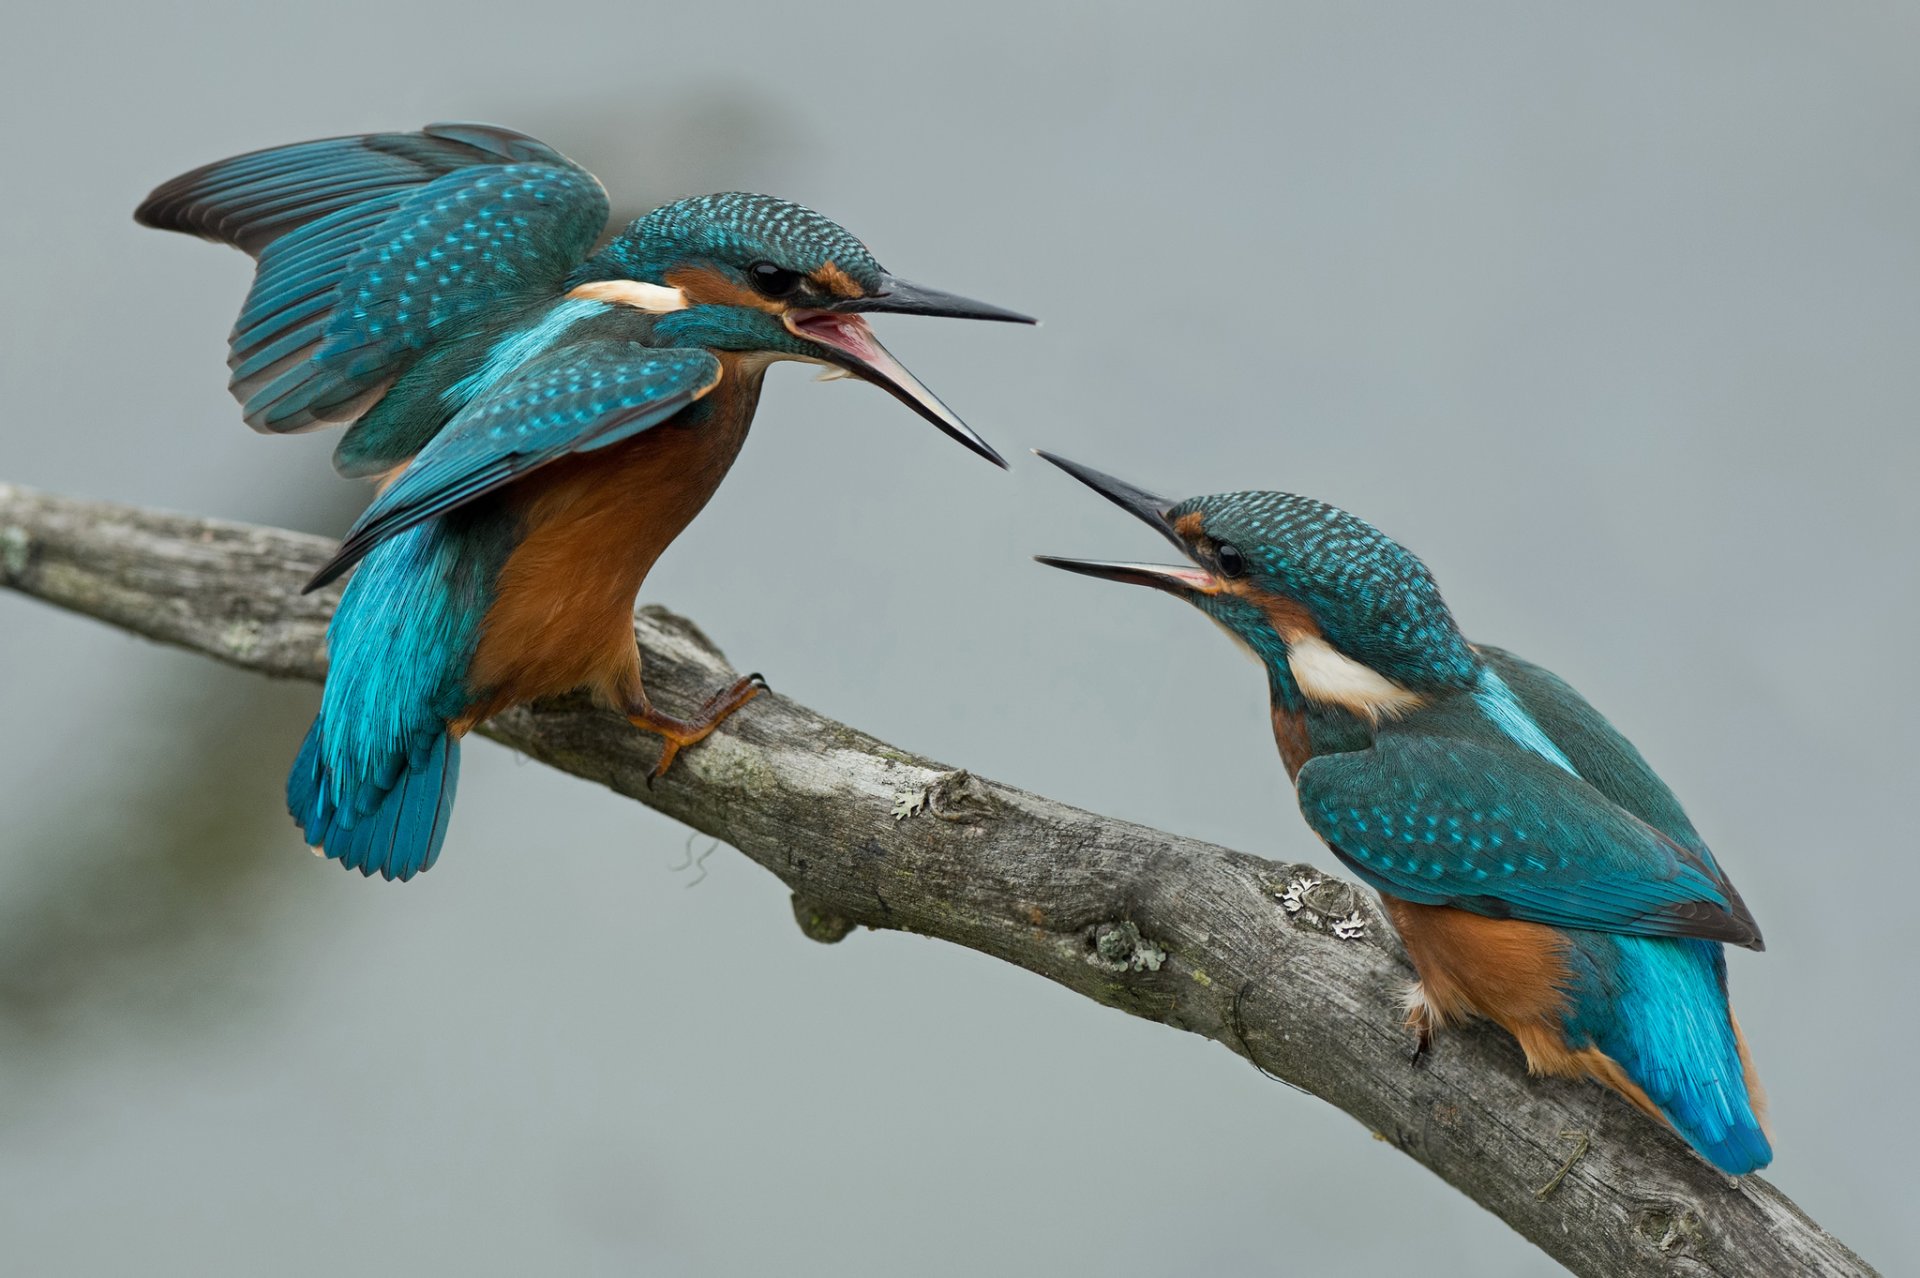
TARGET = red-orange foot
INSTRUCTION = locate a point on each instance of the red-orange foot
(678, 734)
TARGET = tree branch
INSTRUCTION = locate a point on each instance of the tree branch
(1181, 932)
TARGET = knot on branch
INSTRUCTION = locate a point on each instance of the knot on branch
(960, 796)
(1119, 947)
(819, 921)
(1325, 905)
(957, 796)
(1670, 1227)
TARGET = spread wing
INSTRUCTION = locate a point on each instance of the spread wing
(366, 245)
(1442, 821)
(573, 399)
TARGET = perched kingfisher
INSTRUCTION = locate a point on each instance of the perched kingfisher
(1540, 873)
(543, 418)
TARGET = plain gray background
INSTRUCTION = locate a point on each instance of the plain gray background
(1609, 312)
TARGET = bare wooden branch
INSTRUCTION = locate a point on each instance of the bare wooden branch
(1291, 969)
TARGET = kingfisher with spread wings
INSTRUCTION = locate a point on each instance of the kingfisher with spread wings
(544, 420)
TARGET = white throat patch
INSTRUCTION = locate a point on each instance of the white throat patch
(1329, 676)
(656, 299)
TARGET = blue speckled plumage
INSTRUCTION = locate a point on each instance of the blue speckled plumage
(439, 290)
(1443, 819)
(703, 226)
(368, 245)
(1460, 777)
(1378, 603)
(573, 399)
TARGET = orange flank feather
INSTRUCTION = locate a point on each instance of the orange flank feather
(1513, 973)
(562, 615)
(1756, 1094)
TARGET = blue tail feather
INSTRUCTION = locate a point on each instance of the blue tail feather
(374, 781)
(1660, 1011)
(391, 824)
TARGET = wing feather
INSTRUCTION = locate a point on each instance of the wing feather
(1445, 821)
(572, 399)
(368, 245)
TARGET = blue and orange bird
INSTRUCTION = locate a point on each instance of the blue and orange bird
(544, 419)
(1540, 873)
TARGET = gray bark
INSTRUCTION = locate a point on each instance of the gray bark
(1194, 936)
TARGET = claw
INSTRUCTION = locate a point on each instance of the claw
(1420, 1019)
(677, 734)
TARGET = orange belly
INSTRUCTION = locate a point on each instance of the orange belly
(1513, 973)
(562, 615)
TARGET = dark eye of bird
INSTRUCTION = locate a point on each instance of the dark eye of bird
(1232, 562)
(773, 281)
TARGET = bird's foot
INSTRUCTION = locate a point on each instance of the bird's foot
(678, 734)
(1420, 1020)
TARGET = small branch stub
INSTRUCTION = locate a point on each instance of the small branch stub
(820, 922)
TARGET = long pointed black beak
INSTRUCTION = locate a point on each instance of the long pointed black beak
(903, 297)
(849, 343)
(1160, 576)
(1138, 502)
(1150, 510)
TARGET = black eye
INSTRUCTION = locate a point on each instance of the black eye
(773, 281)
(1232, 562)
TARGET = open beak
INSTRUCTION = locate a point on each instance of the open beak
(1150, 510)
(856, 349)
(903, 297)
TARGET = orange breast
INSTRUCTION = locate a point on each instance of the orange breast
(562, 615)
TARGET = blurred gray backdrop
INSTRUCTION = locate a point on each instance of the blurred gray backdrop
(1610, 312)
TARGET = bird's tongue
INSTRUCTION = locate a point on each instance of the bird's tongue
(869, 360)
(847, 333)
(850, 335)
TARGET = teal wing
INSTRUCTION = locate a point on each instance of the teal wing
(573, 399)
(368, 246)
(1606, 759)
(1445, 821)
(1597, 750)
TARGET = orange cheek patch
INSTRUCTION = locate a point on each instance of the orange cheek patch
(704, 287)
(836, 281)
(1289, 618)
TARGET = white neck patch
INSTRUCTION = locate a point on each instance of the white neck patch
(656, 299)
(1331, 677)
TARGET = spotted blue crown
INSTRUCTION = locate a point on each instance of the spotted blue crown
(1373, 599)
(738, 227)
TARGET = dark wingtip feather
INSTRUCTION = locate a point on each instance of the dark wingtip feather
(1711, 922)
(329, 572)
(251, 199)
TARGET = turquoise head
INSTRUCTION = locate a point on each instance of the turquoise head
(1332, 606)
(759, 276)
